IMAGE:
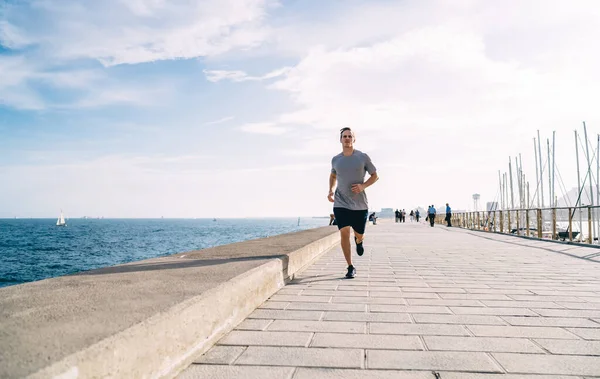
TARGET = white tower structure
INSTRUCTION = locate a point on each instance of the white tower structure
(476, 201)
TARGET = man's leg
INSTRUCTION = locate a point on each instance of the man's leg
(345, 241)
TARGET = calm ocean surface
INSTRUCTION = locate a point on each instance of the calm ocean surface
(34, 249)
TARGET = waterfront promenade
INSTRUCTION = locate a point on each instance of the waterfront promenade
(426, 303)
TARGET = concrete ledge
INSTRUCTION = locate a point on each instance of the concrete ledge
(38, 339)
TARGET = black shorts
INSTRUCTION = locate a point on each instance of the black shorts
(347, 217)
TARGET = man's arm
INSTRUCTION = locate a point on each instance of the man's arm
(372, 179)
(332, 180)
(359, 187)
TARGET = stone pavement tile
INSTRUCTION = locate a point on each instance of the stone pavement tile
(312, 292)
(422, 295)
(520, 331)
(300, 298)
(573, 347)
(521, 304)
(549, 364)
(367, 317)
(445, 303)
(545, 298)
(465, 375)
(458, 285)
(265, 338)
(571, 305)
(328, 307)
(407, 309)
(272, 314)
(482, 344)
(473, 296)
(386, 294)
(253, 324)
(585, 333)
(367, 341)
(566, 313)
(564, 293)
(349, 299)
(492, 311)
(235, 372)
(384, 289)
(344, 288)
(417, 329)
(502, 292)
(386, 300)
(221, 355)
(302, 356)
(595, 299)
(329, 373)
(275, 304)
(550, 321)
(457, 319)
(318, 326)
(435, 290)
(289, 291)
(430, 360)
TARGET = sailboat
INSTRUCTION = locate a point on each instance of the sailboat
(61, 220)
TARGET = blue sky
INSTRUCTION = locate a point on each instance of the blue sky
(231, 108)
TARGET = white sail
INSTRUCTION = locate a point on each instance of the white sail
(61, 220)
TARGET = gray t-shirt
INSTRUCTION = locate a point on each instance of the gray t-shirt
(351, 170)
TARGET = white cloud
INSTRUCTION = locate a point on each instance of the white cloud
(126, 32)
(220, 121)
(240, 76)
(11, 37)
(263, 128)
(94, 87)
(454, 86)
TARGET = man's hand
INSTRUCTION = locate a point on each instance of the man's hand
(330, 196)
(358, 188)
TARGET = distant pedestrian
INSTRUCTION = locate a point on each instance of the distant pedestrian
(397, 214)
(412, 215)
(350, 205)
(417, 215)
(448, 215)
(431, 215)
(403, 215)
(332, 219)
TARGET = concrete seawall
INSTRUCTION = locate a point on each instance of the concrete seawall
(146, 319)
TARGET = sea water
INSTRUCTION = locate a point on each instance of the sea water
(35, 249)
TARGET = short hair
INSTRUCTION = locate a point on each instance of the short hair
(344, 129)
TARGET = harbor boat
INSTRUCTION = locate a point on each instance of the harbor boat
(61, 220)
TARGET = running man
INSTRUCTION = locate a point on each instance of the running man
(350, 204)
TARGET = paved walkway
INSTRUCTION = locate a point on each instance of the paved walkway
(427, 303)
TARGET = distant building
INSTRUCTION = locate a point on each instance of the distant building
(386, 213)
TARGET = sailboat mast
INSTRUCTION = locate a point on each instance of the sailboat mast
(578, 181)
(549, 173)
(587, 149)
(501, 191)
(537, 176)
(518, 172)
(541, 168)
(554, 166)
(512, 194)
